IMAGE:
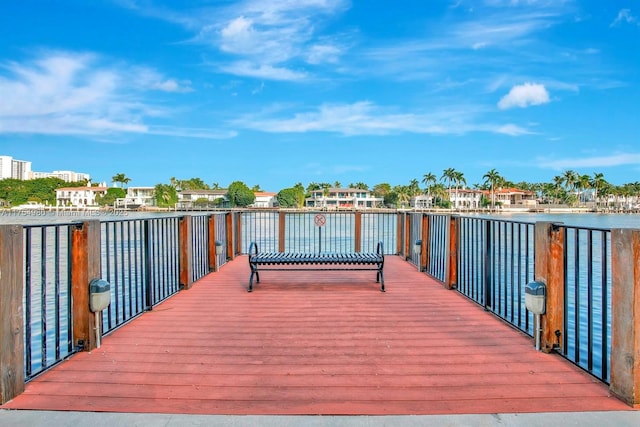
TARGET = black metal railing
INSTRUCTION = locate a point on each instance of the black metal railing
(495, 263)
(438, 244)
(48, 333)
(587, 319)
(140, 260)
(303, 234)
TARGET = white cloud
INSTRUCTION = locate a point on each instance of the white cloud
(366, 118)
(625, 16)
(264, 36)
(267, 72)
(63, 93)
(619, 159)
(524, 96)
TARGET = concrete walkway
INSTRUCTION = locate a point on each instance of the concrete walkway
(109, 419)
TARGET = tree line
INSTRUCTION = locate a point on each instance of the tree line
(569, 188)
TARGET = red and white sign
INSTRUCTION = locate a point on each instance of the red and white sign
(320, 220)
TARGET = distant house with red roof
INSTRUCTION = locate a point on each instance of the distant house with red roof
(79, 197)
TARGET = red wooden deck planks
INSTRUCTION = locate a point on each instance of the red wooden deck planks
(317, 342)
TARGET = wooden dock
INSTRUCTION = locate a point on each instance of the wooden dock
(317, 343)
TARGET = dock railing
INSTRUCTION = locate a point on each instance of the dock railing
(592, 276)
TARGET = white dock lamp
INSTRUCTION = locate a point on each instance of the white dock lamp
(534, 300)
(99, 299)
(219, 247)
(417, 247)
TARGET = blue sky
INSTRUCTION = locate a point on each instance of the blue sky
(277, 92)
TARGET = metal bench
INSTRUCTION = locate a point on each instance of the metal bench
(323, 262)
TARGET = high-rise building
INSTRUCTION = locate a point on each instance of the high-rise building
(12, 168)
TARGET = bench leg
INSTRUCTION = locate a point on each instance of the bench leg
(380, 278)
(254, 270)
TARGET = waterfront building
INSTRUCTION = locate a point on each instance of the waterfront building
(188, 199)
(513, 197)
(349, 198)
(79, 197)
(264, 199)
(465, 198)
(422, 201)
(137, 197)
(12, 168)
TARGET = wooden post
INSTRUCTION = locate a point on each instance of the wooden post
(230, 239)
(11, 312)
(451, 281)
(625, 316)
(357, 232)
(186, 250)
(85, 266)
(408, 244)
(213, 257)
(549, 269)
(282, 223)
(424, 250)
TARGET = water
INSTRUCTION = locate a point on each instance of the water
(575, 219)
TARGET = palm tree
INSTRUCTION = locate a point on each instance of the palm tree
(414, 188)
(121, 178)
(459, 179)
(448, 175)
(583, 183)
(439, 193)
(597, 183)
(492, 178)
(428, 180)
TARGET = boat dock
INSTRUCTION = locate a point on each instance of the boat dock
(316, 344)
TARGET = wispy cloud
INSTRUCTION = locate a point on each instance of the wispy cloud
(259, 38)
(620, 159)
(366, 118)
(66, 93)
(625, 17)
(524, 96)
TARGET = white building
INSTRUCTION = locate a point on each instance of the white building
(79, 197)
(264, 200)
(348, 198)
(422, 201)
(189, 199)
(465, 198)
(12, 168)
(68, 176)
(137, 197)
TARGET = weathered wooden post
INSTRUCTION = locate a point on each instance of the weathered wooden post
(230, 236)
(11, 312)
(625, 316)
(451, 278)
(357, 232)
(549, 269)
(282, 223)
(426, 237)
(211, 244)
(185, 251)
(85, 266)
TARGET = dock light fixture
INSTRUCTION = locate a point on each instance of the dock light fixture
(99, 299)
(417, 247)
(534, 300)
(219, 247)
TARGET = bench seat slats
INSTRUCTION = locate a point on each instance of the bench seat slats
(331, 261)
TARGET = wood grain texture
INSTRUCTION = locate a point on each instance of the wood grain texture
(317, 343)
